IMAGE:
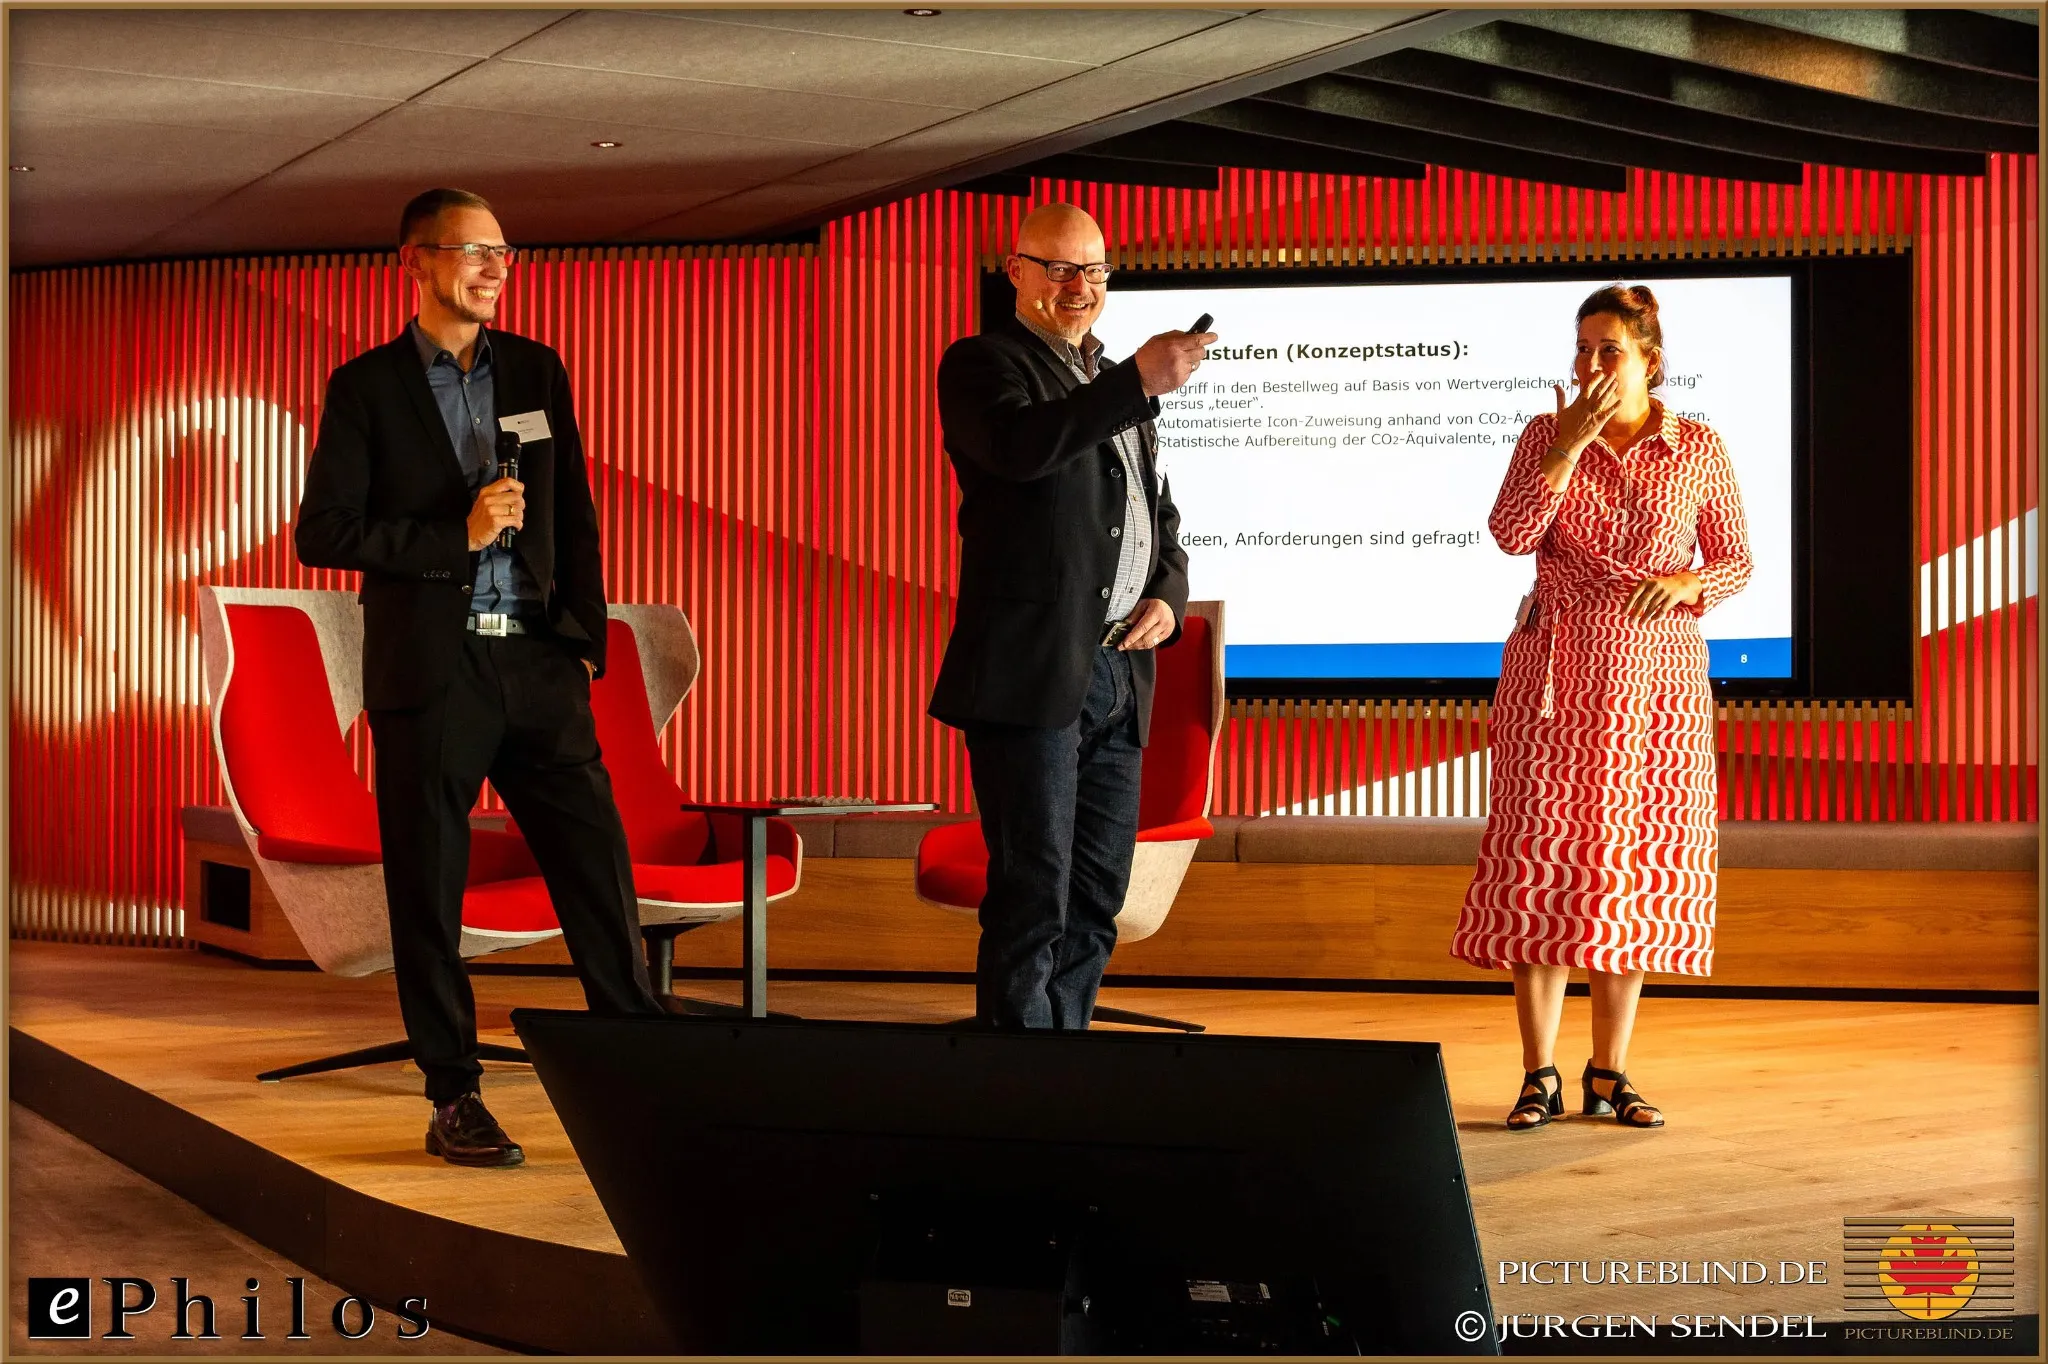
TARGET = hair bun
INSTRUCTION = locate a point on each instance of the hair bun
(1636, 306)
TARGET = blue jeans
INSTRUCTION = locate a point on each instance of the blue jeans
(1059, 811)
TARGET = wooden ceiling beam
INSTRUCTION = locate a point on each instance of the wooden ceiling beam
(1820, 68)
(1117, 170)
(1543, 50)
(1359, 96)
(1197, 145)
(1607, 108)
(1953, 37)
(1293, 123)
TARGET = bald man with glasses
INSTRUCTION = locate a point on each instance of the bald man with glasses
(479, 646)
(1071, 573)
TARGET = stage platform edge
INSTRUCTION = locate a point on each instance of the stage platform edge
(515, 1291)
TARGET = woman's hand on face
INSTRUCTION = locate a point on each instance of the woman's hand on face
(1581, 419)
(1655, 597)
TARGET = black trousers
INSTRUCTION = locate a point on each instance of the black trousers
(517, 711)
(1059, 812)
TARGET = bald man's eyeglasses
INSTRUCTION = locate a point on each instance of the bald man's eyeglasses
(1060, 271)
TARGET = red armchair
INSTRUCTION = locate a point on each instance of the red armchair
(1173, 801)
(283, 675)
(686, 865)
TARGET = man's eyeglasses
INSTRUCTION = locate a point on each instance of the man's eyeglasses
(476, 252)
(1060, 271)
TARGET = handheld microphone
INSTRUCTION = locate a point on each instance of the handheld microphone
(508, 467)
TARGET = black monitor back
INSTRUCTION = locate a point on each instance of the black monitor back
(744, 1164)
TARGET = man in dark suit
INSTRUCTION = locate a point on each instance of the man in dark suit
(1071, 573)
(477, 659)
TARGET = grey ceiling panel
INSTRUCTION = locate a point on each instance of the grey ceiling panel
(56, 177)
(96, 203)
(1089, 36)
(675, 45)
(658, 102)
(557, 221)
(91, 232)
(138, 43)
(117, 141)
(552, 145)
(1245, 45)
(730, 119)
(383, 171)
(255, 218)
(960, 141)
(460, 32)
(1098, 94)
(1351, 20)
(66, 92)
(985, 132)
(735, 214)
(844, 187)
(245, 129)
(1349, 46)
(375, 183)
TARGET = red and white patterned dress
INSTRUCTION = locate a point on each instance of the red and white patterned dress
(1601, 846)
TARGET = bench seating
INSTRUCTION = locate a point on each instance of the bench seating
(1356, 839)
(1867, 906)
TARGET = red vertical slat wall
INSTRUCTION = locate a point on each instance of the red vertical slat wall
(766, 454)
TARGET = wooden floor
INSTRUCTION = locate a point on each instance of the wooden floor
(1784, 1117)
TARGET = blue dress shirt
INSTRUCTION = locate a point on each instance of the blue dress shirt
(469, 408)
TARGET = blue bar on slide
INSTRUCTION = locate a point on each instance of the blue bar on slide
(1725, 658)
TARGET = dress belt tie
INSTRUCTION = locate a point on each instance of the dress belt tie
(1543, 619)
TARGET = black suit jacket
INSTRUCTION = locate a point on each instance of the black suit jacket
(1041, 523)
(385, 495)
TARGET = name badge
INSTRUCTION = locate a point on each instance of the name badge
(1524, 611)
(526, 425)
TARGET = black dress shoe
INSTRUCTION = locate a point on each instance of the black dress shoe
(465, 1133)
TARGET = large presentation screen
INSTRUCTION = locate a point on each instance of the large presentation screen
(1335, 459)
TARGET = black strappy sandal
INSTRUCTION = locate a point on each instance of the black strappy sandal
(1544, 1103)
(1624, 1103)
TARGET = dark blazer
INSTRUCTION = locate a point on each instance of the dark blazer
(1041, 524)
(385, 495)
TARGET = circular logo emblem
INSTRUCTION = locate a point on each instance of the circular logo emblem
(1928, 1270)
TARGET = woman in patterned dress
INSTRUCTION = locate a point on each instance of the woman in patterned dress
(1601, 845)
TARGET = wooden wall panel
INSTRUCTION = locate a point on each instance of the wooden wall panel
(1877, 930)
(766, 453)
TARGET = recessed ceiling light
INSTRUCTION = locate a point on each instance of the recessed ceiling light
(21, 168)
(922, 13)
(607, 146)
